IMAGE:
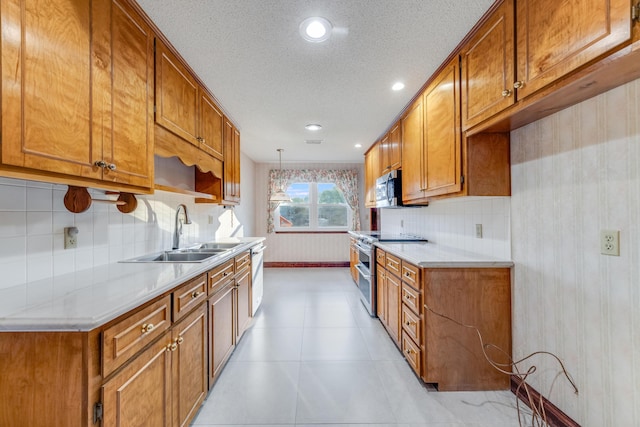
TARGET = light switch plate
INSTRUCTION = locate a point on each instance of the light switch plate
(479, 231)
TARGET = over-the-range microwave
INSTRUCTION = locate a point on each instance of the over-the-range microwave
(389, 190)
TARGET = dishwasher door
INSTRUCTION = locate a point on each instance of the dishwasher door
(257, 280)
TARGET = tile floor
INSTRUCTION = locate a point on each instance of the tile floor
(314, 356)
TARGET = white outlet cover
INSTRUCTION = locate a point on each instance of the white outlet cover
(610, 242)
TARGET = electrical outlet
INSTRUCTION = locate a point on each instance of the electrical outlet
(479, 231)
(610, 242)
(210, 217)
(70, 237)
(402, 223)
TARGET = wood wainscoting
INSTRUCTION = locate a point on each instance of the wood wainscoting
(278, 264)
(555, 416)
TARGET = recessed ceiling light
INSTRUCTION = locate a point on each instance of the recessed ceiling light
(315, 29)
(397, 86)
(358, 145)
(313, 126)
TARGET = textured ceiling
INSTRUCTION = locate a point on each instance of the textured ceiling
(271, 82)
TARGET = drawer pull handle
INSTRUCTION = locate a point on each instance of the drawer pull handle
(225, 274)
(180, 340)
(408, 296)
(147, 327)
(408, 323)
(519, 84)
(407, 274)
(506, 93)
(195, 294)
(172, 347)
(409, 351)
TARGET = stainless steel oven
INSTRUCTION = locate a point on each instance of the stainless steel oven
(366, 276)
(367, 262)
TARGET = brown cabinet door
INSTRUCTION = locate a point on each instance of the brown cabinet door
(211, 126)
(442, 148)
(46, 86)
(371, 173)
(221, 335)
(395, 146)
(176, 96)
(123, 93)
(384, 155)
(412, 141)
(393, 306)
(555, 38)
(488, 69)
(243, 292)
(381, 294)
(231, 168)
(140, 394)
(189, 366)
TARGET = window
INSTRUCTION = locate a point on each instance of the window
(314, 206)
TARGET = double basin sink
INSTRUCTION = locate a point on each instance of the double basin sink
(197, 253)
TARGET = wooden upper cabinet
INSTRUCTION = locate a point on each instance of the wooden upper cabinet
(371, 173)
(442, 156)
(46, 86)
(211, 127)
(488, 68)
(176, 96)
(124, 126)
(77, 82)
(394, 151)
(231, 167)
(389, 151)
(412, 139)
(555, 38)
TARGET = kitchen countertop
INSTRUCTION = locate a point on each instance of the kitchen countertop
(87, 299)
(431, 255)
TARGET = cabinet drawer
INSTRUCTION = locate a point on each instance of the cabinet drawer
(219, 276)
(188, 296)
(380, 256)
(411, 274)
(392, 264)
(412, 353)
(127, 337)
(411, 298)
(242, 261)
(411, 324)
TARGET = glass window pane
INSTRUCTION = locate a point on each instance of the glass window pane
(332, 216)
(329, 193)
(294, 216)
(299, 192)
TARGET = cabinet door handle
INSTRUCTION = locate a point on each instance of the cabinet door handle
(519, 84)
(100, 164)
(147, 327)
(180, 340)
(172, 347)
(506, 93)
(111, 166)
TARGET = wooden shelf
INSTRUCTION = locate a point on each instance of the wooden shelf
(187, 192)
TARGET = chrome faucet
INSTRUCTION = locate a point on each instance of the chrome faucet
(178, 229)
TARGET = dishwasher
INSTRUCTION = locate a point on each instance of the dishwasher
(257, 280)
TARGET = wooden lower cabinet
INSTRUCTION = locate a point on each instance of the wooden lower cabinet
(165, 384)
(221, 334)
(243, 298)
(439, 350)
(353, 260)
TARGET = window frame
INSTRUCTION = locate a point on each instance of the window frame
(314, 206)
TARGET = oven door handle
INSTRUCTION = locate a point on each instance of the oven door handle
(365, 274)
(364, 249)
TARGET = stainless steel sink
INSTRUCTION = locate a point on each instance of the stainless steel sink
(176, 256)
(214, 245)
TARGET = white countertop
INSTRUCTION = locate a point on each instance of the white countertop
(87, 299)
(436, 256)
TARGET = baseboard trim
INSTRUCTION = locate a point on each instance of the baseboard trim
(304, 264)
(555, 417)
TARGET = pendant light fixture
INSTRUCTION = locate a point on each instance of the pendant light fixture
(280, 196)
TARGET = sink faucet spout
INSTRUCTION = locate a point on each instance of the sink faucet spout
(178, 228)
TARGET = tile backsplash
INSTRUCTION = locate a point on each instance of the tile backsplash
(452, 223)
(33, 218)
